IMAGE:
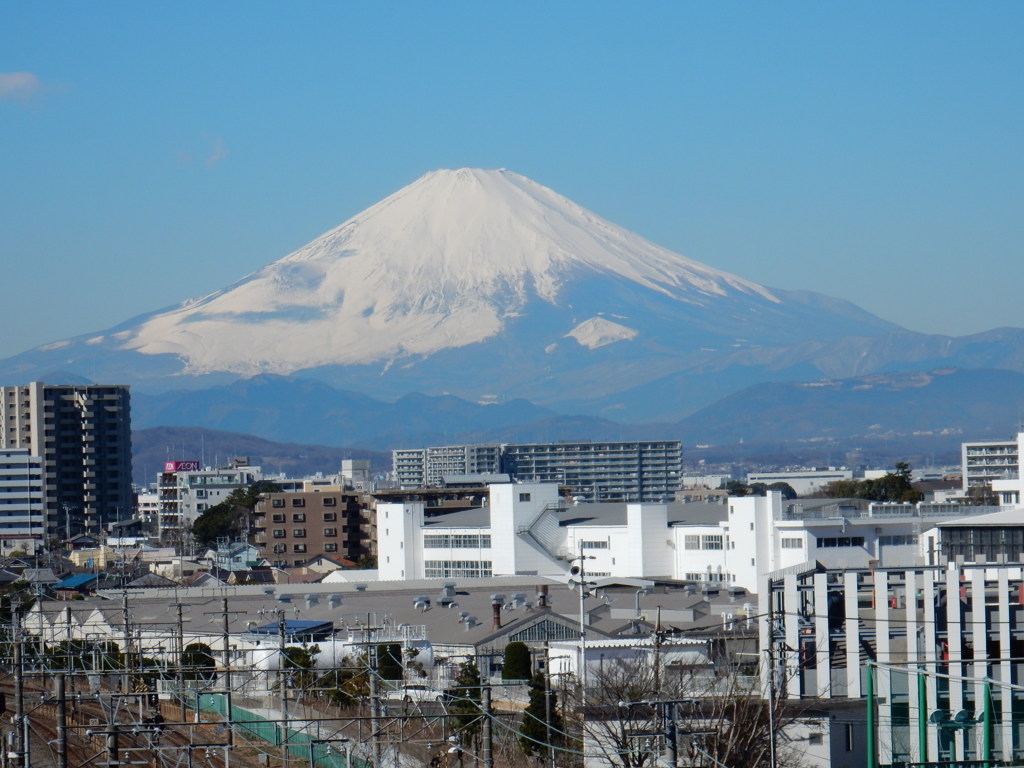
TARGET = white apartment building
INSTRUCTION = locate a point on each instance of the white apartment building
(526, 528)
(22, 518)
(186, 490)
(1010, 487)
(983, 463)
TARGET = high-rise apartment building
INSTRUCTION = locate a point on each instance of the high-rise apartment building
(593, 471)
(983, 462)
(82, 434)
(21, 502)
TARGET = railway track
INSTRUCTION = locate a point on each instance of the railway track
(92, 718)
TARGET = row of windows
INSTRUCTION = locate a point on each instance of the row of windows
(897, 541)
(279, 549)
(329, 501)
(792, 543)
(716, 577)
(457, 541)
(712, 541)
(300, 533)
(300, 517)
(594, 545)
(841, 541)
(456, 569)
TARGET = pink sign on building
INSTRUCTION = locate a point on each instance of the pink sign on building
(181, 466)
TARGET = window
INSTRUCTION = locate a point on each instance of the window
(711, 542)
(331, 546)
(447, 569)
(298, 502)
(330, 501)
(330, 531)
(330, 517)
(815, 739)
(849, 737)
(277, 502)
(278, 533)
(299, 517)
(277, 518)
(524, 497)
(299, 533)
(594, 545)
(841, 541)
(792, 543)
(200, 493)
(280, 549)
(897, 541)
(691, 542)
(457, 541)
(299, 548)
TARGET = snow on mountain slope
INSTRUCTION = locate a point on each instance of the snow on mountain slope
(443, 263)
(600, 332)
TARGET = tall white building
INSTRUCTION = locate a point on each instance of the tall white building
(22, 519)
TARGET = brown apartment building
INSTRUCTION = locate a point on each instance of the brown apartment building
(293, 528)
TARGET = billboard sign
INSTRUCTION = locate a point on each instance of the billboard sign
(181, 466)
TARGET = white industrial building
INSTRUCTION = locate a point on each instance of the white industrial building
(526, 528)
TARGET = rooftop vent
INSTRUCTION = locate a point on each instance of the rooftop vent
(359, 587)
(334, 600)
(448, 589)
(497, 598)
(447, 602)
(421, 603)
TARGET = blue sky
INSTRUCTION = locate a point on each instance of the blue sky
(870, 151)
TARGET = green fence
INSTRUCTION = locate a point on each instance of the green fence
(253, 726)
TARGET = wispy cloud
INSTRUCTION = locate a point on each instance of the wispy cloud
(19, 86)
(219, 152)
(212, 151)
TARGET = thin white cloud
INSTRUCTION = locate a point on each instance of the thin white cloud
(219, 152)
(19, 86)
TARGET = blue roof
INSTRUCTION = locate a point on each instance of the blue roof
(76, 581)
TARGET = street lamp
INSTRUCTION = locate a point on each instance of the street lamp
(578, 578)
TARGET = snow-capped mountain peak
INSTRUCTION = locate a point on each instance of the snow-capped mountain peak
(443, 263)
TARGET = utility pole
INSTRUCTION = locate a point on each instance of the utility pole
(228, 715)
(21, 747)
(488, 748)
(62, 722)
(283, 688)
(547, 703)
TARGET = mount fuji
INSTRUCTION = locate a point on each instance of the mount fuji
(491, 287)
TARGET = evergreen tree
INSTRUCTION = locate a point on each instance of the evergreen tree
(465, 701)
(389, 661)
(534, 729)
(517, 663)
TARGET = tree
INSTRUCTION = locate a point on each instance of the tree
(894, 487)
(198, 663)
(538, 732)
(465, 701)
(982, 496)
(517, 664)
(301, 661)
(349, 684)
(230, 518)
(624, 717)
(736, 488)
(389, 661)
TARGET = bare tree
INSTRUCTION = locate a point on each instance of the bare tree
(632, 708)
